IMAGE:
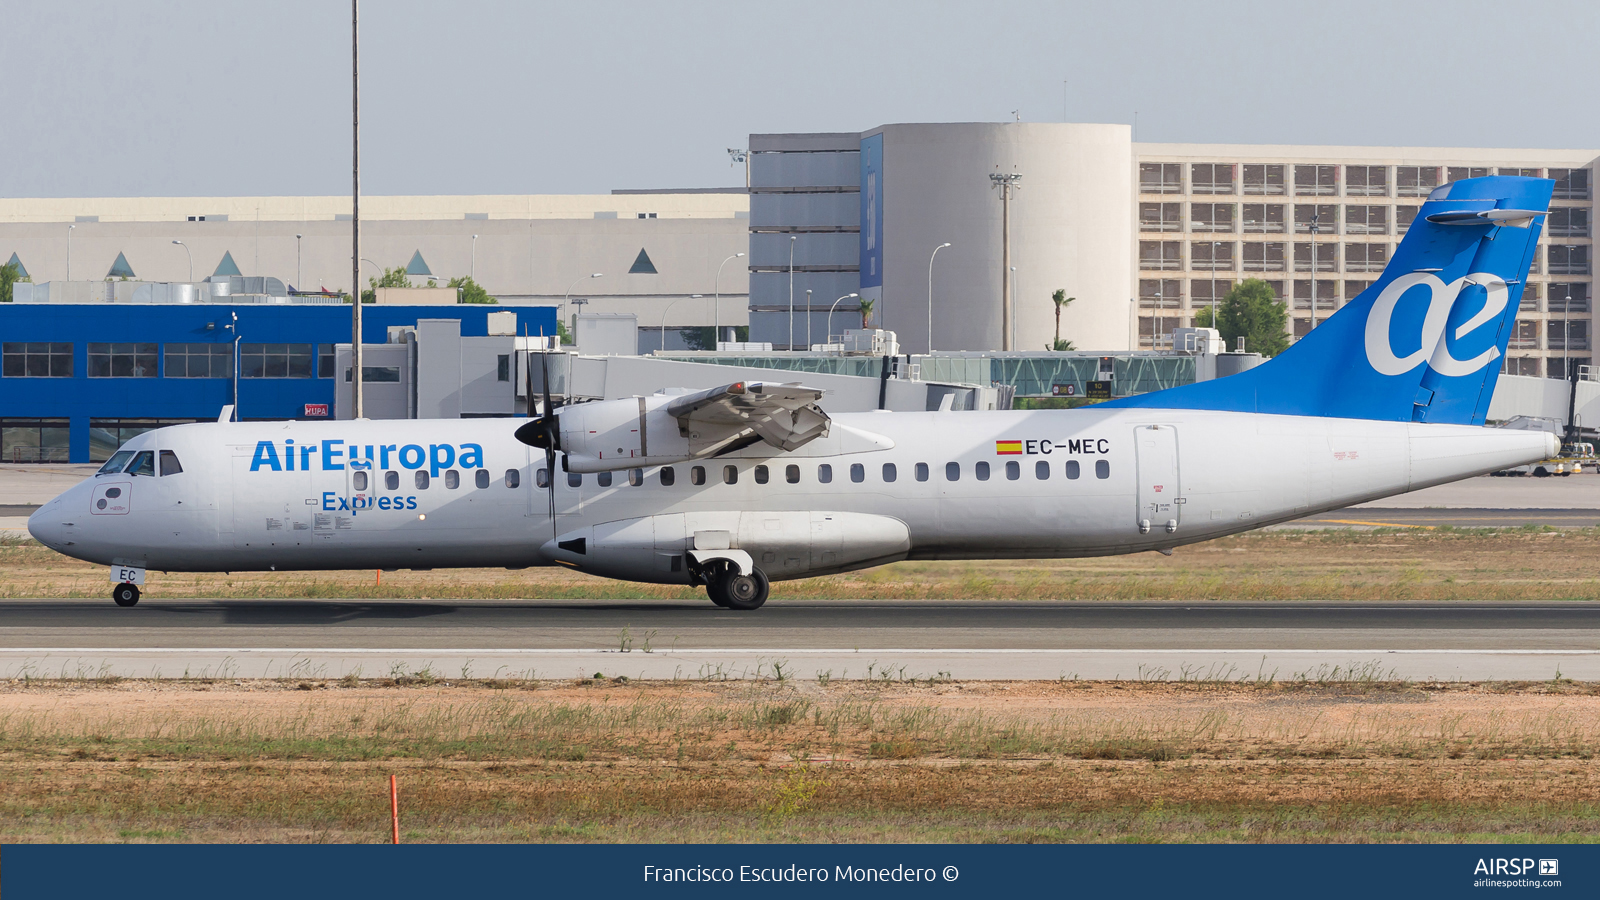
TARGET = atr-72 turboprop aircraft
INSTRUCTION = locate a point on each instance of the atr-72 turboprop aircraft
(749, 482)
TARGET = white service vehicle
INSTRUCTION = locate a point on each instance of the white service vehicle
(751, 482)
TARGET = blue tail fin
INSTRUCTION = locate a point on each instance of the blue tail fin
(1424, 343)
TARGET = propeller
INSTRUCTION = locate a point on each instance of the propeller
(544, 432)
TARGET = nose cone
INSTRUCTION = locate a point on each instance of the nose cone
(45, 524)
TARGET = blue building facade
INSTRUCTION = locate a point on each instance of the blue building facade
(77, 380)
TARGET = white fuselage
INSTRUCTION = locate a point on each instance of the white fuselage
(1145, 480)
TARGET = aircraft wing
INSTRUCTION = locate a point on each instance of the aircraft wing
(737, 415)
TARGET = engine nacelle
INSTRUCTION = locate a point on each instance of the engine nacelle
(672, 548)
(607, 435)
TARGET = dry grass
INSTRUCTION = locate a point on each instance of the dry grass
(1409, 565)
(603, 761)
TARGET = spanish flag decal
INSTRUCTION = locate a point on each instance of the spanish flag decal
(1008, 448)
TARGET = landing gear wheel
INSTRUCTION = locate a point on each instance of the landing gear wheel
(744, 592)
(125, 594)
(717, 588)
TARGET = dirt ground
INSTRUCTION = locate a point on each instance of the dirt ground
(779, 761)
(1419, 564)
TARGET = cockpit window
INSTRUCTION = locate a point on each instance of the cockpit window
(169, 463)
(143, 464)
(116, 462)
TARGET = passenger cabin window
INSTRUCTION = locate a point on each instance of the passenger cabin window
(452, 479)
(1102, 469)
(481, 478)
(603, 479)
(730, 474)
(422, 479)
(952, 471)
(513, 478)
(858, 473)
(791, 474)
(922, 471)
(981, 470)
(1013, 470)
(1041, 470)
(889, 473)
(541, 478)
(636, 477)
(761, 474)
(391, 481)
(574, 480)
(358, 480)
(668, 476)
(1072, 468)
(143, 464)
(697, 474)
(825, 473)
(116, 463)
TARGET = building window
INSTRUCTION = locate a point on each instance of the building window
(1365, 257)
(106, 435)
(375, 374)
(1521, 365)
(1415, 181)
(1324, 256)
(1403, 216)
(1156, 331)
(277, 361)
(36, 440)
(502, 371)
(1533, 264)
(1568, 221)
(1211, 178)
(1525, 335)
(1323, 216)
(1456, 173)
(1571, 184)
(1160, 217)
(1366, 220)
(36, 359)
(1568, 297)
(1267, 257)
(1366, 181)
(1160, 255)
(1211, 217)
(198, 360)
(1558, 366)
(1530, 297)
(1353, 288)
(1568, 335)
(1569, 259)
(1213, 256)
(1160, 178)
(122, 360)
(1327, 294)
(1263, 179)
(325, 360)
(1160, 293)
(1316, 181)
(1263, 218)
(1204, 292)
(1519, 173)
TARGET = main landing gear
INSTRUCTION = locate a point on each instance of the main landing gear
(125, 594)
(737, 591)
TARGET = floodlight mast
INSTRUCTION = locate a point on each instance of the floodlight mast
(1006, 182)
(355, 209)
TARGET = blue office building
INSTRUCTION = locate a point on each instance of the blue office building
(76, 380)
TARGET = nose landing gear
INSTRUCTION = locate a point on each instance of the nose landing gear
(738, 591)
(125, 594)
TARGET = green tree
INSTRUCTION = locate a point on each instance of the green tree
(10, 274)
(471, 291)
(866, 312)
(704, 337)
(392, 278)
(1250, 311)
(1061, 300)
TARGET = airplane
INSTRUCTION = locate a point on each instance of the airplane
(751, 482)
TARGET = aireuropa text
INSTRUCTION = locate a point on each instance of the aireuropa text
(792, 873)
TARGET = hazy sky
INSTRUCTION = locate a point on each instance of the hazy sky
(221, 97)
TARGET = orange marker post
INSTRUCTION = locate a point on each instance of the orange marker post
(394, 807)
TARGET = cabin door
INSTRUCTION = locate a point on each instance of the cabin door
(1160, 500)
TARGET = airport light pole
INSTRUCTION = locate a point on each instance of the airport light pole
(299, 270)
(1013, 304)
(808, 320)
(931, 257)
(790, 346)
(741, 156)
(1006, 182)
(359, 411)
(69, 252)
(830, 314)
(1315, 229)
(191, 259)
(567, 299)
(716, 314)
(474, 275)
(664, 317)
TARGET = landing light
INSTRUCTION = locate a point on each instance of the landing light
(422, 517)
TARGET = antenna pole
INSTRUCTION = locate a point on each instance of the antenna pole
(355, 208)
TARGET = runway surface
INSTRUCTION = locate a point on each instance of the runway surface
(961, 639)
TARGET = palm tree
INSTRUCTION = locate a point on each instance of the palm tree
(866, 313)
(1061, 300)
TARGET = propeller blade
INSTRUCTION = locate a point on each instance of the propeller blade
(551, 440)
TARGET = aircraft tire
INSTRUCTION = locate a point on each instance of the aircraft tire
(746, 592)
(716, 589)
(125, 594)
